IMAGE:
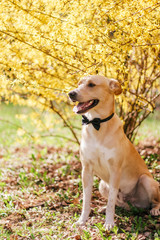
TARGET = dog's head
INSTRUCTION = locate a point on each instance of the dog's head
(93, 90)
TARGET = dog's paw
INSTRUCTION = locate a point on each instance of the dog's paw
(109, 226)
(79, 223)
(102, 210)
(155, 212)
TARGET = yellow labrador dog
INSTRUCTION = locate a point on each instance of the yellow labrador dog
(106, 151)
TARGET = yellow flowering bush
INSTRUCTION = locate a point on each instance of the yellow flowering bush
(47, 46)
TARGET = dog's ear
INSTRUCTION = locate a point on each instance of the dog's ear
(115, 86)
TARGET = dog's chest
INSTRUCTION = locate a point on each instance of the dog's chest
(98, 156)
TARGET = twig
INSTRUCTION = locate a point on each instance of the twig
(16, 126)
(60, 136)
(65, 122)
(137, 12)
(146, 44)
(144, 99)
(43, 51)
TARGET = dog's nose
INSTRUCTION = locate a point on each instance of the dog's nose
(72, 95)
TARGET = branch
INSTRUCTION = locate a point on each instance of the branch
(52, 40)
(146, 44)
(65, 122)
(139, 123)
(43, 51)
(138, 12)
(94, 64)
(17, 126)
(60, 136)
(144, 99)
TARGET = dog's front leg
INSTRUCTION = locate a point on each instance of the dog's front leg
(87, 181)
(110, 210)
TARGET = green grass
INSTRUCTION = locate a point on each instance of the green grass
(150, 127)
(35, 130)
(9, 123)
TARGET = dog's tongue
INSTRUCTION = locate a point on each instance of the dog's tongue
(82, 106)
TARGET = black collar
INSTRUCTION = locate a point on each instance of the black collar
(96, 121)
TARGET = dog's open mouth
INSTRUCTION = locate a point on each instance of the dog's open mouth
(83, 107)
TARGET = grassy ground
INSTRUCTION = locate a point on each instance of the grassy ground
(15, 129)
(41, 189)
(150, 127)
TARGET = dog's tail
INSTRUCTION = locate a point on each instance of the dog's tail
(104, 189)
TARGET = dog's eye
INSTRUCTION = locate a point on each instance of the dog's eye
(91, 85)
